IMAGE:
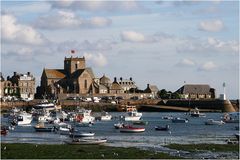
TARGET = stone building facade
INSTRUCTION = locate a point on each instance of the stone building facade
(74, 78)
(19, 85)
(196, 91)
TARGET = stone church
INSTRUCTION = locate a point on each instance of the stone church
(74, 78)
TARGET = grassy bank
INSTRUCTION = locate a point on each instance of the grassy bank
(205, 147)
(33, 151)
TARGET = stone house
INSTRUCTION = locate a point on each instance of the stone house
(196, 91)
(153, 89)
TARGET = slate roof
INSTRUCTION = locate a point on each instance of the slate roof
(151, 88)
(116, 86)
(55, 73)
(194, 89)
(79, 72)
(105, 80)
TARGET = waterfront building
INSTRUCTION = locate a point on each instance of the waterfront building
(19, 85)
(116, 87)
(196, 91)
(127, 84)
(153, 89)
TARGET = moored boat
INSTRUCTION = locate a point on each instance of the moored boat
(86, 141)
(131, 129)
(213, 122)
(133, 116)
(159, 128)
(196, 113)
(231, 117)
(42, 128)
(118, 125)
(105, 116)
(179, 120)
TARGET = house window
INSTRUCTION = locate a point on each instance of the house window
(85, 84)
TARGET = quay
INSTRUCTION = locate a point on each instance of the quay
(147, 105)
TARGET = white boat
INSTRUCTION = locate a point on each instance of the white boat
(231, 117)
(196, 113)
(118, 125)
(131, 129)
(179, 120)
(133, 116)
(64, 128)
(105, 116)
(44, 104)
(213, 122)
(84, 116)
(86, 141)
(24, 118)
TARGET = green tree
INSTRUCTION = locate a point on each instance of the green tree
(163, 94)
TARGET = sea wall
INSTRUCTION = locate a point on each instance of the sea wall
(183, 105)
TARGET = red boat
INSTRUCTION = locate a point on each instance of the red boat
(4, 132)
(131, 129)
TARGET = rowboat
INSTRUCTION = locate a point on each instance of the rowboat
(131, 129)
(213, 122)
(86, 141)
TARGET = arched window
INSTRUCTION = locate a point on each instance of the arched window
(85, 84)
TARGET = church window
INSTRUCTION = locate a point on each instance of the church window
(85, 84)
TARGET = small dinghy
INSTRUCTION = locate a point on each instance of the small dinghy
(159, 128)
(86, 141)
(179, 120)
(131, 129)
(213, 122)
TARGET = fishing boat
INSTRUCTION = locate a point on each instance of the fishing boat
(179, 120)
(167, 117)
(42, 128)
(133, 116)
(84, 116)
(82, 134)
(131, 129)
(159, 128)
(64, 128)
(213, 122)
(118, 125)
(196, 113)
(86, 141)
(231, 117)
(140, 122)
(24, 118)
(105, 116)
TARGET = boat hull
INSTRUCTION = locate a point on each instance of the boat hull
(136, 130)
(87, 142)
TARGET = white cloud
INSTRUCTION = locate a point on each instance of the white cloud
(99, 21)
(211, 25)
(96, 6)
(208, 66)
(13, 32)
(186, 62)
(132, 36)
(67, 19)
(96, 59)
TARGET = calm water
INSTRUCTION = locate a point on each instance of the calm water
(195, 131)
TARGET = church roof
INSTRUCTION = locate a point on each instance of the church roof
(79, 72)
(105, 80)
(55, 73)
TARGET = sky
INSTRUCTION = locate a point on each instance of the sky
(163, 43)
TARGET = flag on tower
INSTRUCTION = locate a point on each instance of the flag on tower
(72, 51)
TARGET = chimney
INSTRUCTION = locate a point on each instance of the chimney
(115, 79)
(14, 73)
(130, 78)
(28, 73)
(147, 85)
(121, 78)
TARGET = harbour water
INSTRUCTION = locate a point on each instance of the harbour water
(195, 131)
